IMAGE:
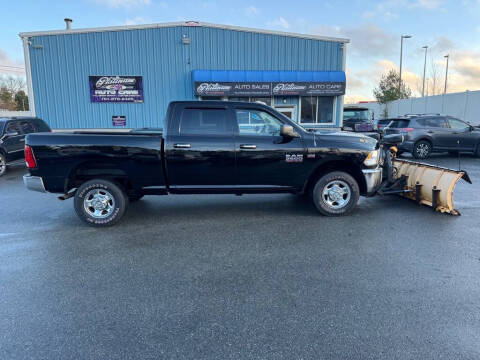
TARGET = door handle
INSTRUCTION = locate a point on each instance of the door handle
(181, 146)
(430, 131)
(248, 146)
(22, 140)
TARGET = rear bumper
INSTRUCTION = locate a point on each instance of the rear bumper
(373, 180)
(407, 146)
(34, 183)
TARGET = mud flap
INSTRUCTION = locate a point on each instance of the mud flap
(428, 184)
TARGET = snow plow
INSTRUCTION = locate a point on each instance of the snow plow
(424, 183)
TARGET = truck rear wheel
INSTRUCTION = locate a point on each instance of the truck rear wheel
(335, 193)
(100, 202)
(3, 164)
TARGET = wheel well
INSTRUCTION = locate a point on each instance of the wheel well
(338, 165)
(95, 170)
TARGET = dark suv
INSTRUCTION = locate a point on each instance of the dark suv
(425, 134)
(12, 138)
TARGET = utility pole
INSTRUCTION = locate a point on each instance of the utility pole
(424, 69)
(446, 73)
(401, 58)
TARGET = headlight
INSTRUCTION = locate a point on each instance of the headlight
(372, 158)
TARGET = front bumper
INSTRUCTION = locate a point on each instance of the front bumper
(373, 180)
(34, 183)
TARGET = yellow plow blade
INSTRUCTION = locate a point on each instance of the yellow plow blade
(428, 184)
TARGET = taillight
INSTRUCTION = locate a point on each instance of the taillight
(29, 158)
(406, 129)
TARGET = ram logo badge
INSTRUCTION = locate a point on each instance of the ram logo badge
(293, 158)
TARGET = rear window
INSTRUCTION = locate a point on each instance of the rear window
(205, 122)
(384, 122)
(399, 123)
(40, 126)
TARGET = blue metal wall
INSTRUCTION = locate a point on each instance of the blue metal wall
(61, 64)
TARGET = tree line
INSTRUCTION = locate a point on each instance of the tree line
(12, 93)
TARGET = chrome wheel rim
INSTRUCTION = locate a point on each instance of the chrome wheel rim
(3, 166)
(423, 149)
(336, 194)
(99, 203)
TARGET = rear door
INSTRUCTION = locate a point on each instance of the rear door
(461, 136)
(13, 140)
(199, 147)
(264, 158)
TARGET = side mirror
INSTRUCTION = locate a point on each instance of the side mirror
(288, 131)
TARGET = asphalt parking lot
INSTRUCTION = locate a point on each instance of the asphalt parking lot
(225, 277)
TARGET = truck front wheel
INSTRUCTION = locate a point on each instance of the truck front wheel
(335, 193)
(100, 202)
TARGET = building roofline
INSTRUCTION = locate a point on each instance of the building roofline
(180, 23)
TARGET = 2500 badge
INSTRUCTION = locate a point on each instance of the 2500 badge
(293, 158)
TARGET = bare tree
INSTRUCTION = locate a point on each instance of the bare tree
(13, 83)
(434, 81)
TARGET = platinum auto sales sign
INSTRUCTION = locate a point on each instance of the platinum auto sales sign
(211, 88)
(116, 89)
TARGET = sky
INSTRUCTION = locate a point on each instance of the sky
(374, 28)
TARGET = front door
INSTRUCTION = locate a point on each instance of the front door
(462, 137)
(264, 157)
(13, 140)
(200, 149)
(288, 111)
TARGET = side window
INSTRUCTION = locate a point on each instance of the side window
(12, 126)
(433, 122)
(457, 124)
(26, 127)
(257, 122)
(205, 122)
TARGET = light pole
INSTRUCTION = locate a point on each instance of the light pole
(446, 73)
(401, 56)
(424, 68)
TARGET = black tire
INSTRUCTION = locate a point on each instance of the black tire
(3, 165)
(326, 203)
(133, 198)
(111, 197)
(422, 149)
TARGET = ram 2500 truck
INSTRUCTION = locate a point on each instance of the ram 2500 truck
(209, 147)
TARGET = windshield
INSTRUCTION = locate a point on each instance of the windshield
(356, 114)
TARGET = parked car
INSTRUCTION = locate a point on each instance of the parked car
(357, 118)
(425, 134)
(205, 147)
(381, 124)
(12, 138)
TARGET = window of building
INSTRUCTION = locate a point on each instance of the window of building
(211, 98)
(316, 110)
(256, 122)
(265, 100)
(205, 122)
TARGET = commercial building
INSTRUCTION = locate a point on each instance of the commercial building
(125, 76)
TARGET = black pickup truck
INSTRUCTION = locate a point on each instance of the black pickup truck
(209, 147)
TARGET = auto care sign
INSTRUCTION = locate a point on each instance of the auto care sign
(116, 89)
(213, 88)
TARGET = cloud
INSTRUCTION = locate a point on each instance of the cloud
(123, 3)
(135, 21)
(428, 4)
(10, 67)
(367, 40)
(280, 22)
(252, 11)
